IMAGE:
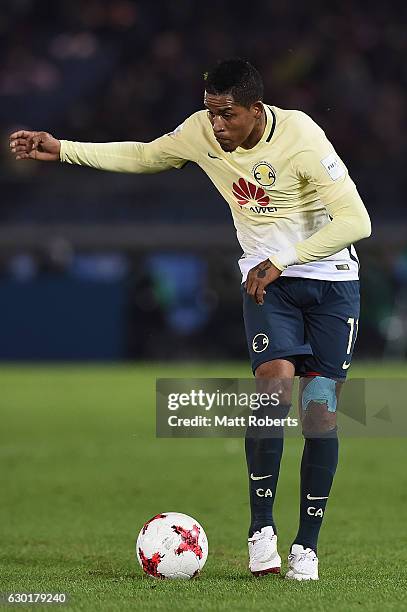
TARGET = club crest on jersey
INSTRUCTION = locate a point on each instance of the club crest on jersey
(264, 174)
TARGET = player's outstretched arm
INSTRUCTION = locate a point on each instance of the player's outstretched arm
(34, 145)
(172, 150)
(138, 157)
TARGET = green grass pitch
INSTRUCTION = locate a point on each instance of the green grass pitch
(81, 470)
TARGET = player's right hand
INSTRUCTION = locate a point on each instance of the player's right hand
(34, 145)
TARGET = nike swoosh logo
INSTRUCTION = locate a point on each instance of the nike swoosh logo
(311, 498)
(259, 477)
(214, 157)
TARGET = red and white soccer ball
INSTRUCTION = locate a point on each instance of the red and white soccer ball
(172, 545)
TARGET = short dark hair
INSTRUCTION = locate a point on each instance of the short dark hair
(238, 78)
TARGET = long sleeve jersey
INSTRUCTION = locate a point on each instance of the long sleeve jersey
(290, 196)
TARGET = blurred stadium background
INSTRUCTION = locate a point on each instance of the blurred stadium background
(87, 274)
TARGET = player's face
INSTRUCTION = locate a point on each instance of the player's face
(233, 125)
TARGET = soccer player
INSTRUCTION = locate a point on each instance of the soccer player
(296, 213)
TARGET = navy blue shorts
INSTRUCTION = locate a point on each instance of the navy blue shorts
(314, 323)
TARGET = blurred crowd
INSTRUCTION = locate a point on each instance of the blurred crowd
(132, 69)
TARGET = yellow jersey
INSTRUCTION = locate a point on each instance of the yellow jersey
(281, 193)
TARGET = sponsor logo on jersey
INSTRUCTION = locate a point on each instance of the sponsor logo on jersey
(264, 174)
(247, 193)
(263, 210)
(250, 196)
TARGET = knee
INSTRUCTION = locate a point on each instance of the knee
(277, 368)
(264, 370)
(276, 377)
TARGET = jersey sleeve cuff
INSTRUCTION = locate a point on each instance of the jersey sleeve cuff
(285, 258)
(62, 151)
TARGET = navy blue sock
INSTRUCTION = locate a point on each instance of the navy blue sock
(318, 466)
(263, 458)
(264, 448)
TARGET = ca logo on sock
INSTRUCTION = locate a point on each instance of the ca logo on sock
(312, 511)
(264, 492)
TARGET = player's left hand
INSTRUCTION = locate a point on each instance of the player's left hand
(258, 278)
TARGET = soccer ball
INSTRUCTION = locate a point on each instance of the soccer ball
(172, 545)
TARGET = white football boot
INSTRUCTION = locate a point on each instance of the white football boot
(302, 564)
(263, 556)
